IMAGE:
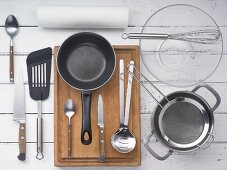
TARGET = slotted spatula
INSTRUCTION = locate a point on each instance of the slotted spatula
(39, 70)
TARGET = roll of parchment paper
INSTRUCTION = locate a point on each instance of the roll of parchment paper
(82, 17)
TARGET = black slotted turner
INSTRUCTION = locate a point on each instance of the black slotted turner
(39, 71)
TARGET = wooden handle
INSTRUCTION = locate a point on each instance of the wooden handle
(11, 66)
(101, 145)
(69, 141)
(22, 142)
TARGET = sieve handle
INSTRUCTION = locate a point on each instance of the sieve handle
(161, 158)
(137, 76)
(209, 88)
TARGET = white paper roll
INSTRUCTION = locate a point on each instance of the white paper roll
(82, 17)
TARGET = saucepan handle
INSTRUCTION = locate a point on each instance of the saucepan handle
(161, 158)
(211, 139)
(86, 133)
(209, 88)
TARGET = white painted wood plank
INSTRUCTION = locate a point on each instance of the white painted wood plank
(31, 39)
(147, 103)
(7, 95)
(213, 157)
(10, 131)
(220, 75)
(139, 10)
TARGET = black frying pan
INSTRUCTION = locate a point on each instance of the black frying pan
(86, 61)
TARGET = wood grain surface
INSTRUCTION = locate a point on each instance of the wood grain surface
(87, 155)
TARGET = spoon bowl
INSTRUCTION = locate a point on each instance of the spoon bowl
(69, 109)
(11, 26)
(123, 140)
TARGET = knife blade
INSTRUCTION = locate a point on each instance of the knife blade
(19, 114)
(101, 130)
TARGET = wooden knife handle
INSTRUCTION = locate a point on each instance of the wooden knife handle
(11, 66)
(101, 144)
(22, 142)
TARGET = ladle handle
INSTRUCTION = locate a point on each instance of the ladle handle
(121, 91)
(128, 93)
(146, 144)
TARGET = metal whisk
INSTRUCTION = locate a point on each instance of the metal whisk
(206, 36)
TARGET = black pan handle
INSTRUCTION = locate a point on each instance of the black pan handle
(86, 135)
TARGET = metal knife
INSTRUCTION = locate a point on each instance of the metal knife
(19, 114)
(101, 130)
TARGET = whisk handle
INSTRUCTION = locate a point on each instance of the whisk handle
(144, 36)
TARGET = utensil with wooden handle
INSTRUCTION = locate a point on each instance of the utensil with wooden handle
(69, 109)
(11, 27)
(19, 114)
(101, 130)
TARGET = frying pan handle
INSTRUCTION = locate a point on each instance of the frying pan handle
(86, 136)
(209, 88)
(161, 158)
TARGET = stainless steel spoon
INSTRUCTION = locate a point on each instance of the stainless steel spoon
(69, 109)
(123, 140)
(11, 27)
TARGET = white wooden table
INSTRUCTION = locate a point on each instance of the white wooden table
(31, 38)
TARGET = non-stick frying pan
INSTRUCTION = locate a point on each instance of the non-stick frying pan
(86, 61)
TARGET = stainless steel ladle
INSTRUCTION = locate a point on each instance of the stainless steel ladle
(123, 140)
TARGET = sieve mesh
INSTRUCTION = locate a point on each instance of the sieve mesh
(183, 122)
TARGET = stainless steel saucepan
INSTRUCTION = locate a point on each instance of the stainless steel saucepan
(183, 121)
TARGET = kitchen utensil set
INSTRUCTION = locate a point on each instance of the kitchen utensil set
(183, 121)
(86, 61)
(89, 155)
(123, 140)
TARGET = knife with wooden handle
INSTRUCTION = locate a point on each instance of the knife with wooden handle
(101, 130)
(19, 115)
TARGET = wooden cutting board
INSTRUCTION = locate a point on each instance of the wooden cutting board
(87, 155)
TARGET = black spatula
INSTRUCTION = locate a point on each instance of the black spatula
(39, 70)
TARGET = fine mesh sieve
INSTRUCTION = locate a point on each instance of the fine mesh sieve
(183, 121)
